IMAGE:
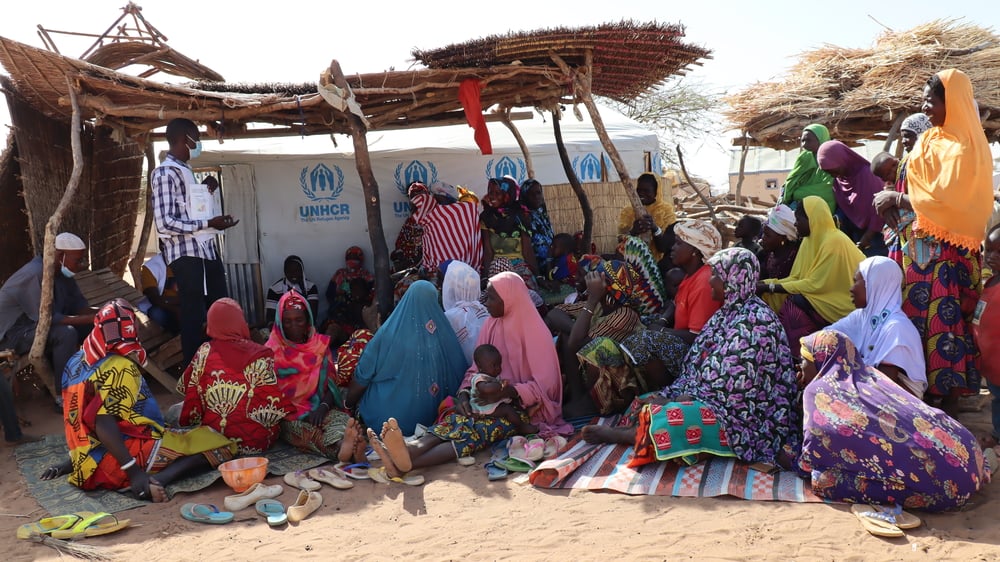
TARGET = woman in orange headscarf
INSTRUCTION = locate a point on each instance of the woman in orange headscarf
(949, 188)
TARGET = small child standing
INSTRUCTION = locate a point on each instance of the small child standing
(747, 231)
(490, 363)
(986, 325)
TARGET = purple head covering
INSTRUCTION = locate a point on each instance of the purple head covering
(855, 189)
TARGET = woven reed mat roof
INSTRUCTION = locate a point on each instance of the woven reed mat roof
(858, 93)
(630, 58)
(388, 99)
(160, 57)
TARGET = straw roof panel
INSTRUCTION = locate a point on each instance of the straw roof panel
(858, 93)
(629, 58)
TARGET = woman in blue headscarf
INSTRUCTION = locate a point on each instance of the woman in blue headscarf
(410, 366)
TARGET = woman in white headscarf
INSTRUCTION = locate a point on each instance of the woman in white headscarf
(460, 298)
(879, 329)
(780, 245)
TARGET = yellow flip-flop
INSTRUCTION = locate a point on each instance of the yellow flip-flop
(91, 527)
(49, 524)
(382, 477)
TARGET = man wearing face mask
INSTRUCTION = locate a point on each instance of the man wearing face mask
(183, 212)
(72, 317)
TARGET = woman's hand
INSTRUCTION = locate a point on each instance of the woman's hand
(317, 416)
(886, 201)
(139, 484)
(462, 405)
(642, 224)
(56, 471)
(597, 288)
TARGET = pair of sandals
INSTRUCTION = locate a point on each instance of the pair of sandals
(274, 511)
(885, 521)
(78, 525)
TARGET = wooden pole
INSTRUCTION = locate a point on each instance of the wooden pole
(704, 199)
(743, 163)
(893, 132)
(135, 264)
(505, 118)
(373, 207)
(37, 354)
(574, 182)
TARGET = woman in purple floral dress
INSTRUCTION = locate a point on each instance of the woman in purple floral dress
(867, 440)
(736, 396)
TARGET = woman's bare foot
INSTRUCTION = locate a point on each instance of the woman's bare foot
(349, 444)
(390, 467)
(605, 434)
(157, 493)
(393, 440)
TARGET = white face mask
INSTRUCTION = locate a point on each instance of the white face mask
(67, 272)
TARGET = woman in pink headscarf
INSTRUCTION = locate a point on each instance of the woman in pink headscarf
(530, 374)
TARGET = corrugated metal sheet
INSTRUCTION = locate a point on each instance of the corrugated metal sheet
(245, 288)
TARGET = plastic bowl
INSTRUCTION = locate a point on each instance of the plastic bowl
(240, 474)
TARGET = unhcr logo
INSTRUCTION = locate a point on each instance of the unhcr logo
(587, 168)
(415, 171)
(322, 185)
(507, 166)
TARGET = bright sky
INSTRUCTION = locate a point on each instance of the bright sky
(294, 42)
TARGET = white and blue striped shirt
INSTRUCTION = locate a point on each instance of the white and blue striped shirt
(171, 216)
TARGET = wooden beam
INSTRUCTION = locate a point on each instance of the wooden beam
(743, 164)
(135, 264)
(505, 119)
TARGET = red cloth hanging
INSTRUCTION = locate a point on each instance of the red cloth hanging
(468, 94)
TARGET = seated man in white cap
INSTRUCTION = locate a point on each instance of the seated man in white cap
(72, 317)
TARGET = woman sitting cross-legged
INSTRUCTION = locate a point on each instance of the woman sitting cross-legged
(305, 369)
(530, 373)
(114, 427)
(885, 337)
(866, 440)
(230, 384)
(736, 396)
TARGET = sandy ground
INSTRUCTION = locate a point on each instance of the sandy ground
(459, 515)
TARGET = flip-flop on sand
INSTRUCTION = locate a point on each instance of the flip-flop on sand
(875, 522)
(382, 477)
(205, 513)
(357, 471)
(273, 510)
(92, 527)
(300, 479)
(495, 472)
(47, 525)
(893, 514)
(330, 477)
(553, 445)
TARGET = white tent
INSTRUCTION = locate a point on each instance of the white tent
(303, 196)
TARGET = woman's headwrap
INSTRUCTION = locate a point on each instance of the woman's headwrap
(619, 276)
(828, 347)
(115, 332)
(917, 123)
(781, 219)
(445, 190)
(739, 271)
(700, 234)
(820, 131)
(295, 302)
(226, 321)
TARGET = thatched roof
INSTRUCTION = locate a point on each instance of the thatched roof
(421, 97)
(160, 58)
(629, 58)
(859, 93)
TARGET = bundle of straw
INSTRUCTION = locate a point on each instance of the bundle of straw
(74, 549)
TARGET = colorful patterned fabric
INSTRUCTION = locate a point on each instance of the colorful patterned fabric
(539, 226)
(231, 387)
(740, 366)
(304, 370)
(615, 375)
(409, 241)
(701, 234)
(679, 430)
(323, 440)
(348, 355)
(114, 332)
(940, 299)
(469, 435)
(115, 387)
(649, 292)
(450, 232)
(867, 440)
(644, 345)
(618, 324)
(781, 219)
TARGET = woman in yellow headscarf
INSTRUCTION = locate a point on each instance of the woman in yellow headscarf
(648, 188)
(821, 276)
(949, 186)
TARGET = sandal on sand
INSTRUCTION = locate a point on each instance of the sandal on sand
(552, 446)
(515, 465)
(299, 479)
(875, 522)
(47, 525)
(331, 477)
(273, 510)
(381, 476)
(304, 506)
(495, 472)
(893, 514)
(466, 461)
(357, 471)
(92, 527)
(516, 446)
(205, 513)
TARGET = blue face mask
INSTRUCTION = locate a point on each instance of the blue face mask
(67, 272)
(196, 151)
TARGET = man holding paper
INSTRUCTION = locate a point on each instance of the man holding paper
(187, 224)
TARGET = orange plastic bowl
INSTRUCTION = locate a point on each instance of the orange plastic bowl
(240, 474)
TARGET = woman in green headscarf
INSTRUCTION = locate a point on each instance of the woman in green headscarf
(806, 177)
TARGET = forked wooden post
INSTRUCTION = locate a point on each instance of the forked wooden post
(135, 264)
(743, 163)
(37, 353)
(373, 211)
(894, 131)
(505, 118)
(574, 182)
